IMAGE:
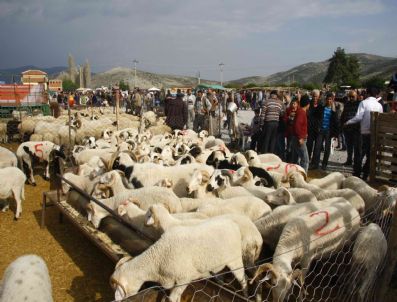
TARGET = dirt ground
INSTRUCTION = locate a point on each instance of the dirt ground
(78, 270)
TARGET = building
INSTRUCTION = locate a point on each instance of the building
(55, 85)
(34, 77)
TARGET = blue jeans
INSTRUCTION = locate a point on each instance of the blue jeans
(300, 154)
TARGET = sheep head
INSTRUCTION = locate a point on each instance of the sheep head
(220, 180)
(280, 281)
(154, 214)
(279, 197)
(199, 178)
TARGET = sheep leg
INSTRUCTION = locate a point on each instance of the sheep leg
(27, 162)
(17, 197)
(47, 171)
(176, 293)
(237, 269)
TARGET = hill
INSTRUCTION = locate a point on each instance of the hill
(370, 65)
(144, 79)
(7, 75)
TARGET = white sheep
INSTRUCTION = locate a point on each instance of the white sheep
(148, 174)
(297, 180)
(271, 226)
(83, 182)
(26, 279)
(250, 206)
(39, 150)
(197, 185)
(143, 198)
(332, 181)
(180, 256)
(251, 240)
(284, 196)
(7, 158)
(306, 238)
(369, 251)
(12, 184)
(254, 158)
(375, 202)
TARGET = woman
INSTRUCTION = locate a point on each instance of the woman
(289, 118)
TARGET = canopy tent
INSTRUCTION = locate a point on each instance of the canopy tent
(154, 89)
(210, 86)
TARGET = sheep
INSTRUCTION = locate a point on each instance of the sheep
(297, 180)
(12, 183)
(250, 206)
(148, 174)
(282, 168)
(304, 239)
(85, 155)
(3, 133)
(143, 197)
(197, 186)
(369, 251)
(272, 225)
(26, 279)
(221, 180)
(7, 158)
(39, 150)
(375, 202)
(83, 182)
(183, 254)
(254, 158)
(284, 196)
(332, 181)
(159, 218)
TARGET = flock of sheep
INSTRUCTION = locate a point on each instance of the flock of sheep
(205, 207)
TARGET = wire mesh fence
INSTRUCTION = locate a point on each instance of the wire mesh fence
(334, 274)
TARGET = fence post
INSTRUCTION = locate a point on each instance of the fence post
(374, 144)
(391, 259)
(117, 92)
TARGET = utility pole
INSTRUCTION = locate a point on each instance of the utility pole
(198, 77)
(221, 71)
(135, 62)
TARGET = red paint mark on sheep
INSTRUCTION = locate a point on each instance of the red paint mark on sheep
(318, 231)
(273, 168)
(288, 166)
(38, 149)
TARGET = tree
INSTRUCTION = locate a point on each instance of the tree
(250, 85)
(343, 69)
(375, 81)
(232, 85)
(68, 85)
(124, 86)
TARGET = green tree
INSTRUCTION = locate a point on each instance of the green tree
(343, 69)
(375, 81)
(250, 85)
(124, 86)
(311, 86)
(232, 85)
(68, 85)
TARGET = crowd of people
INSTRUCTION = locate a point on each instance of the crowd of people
(297, 127)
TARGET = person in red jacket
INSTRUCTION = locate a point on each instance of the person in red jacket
(301, 156)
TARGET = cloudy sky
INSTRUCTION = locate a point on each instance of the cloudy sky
(252, 37)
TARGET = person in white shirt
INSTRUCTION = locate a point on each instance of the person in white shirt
(190, 99)
(363, 116)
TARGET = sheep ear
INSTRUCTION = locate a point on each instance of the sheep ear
(149, 218)
(167, 207)
(247, 174)
(206, 177)
(135, 202)
(122, 210)
(122, 261)
(112, 179)
(286, 196)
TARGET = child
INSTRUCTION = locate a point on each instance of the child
(255, 130)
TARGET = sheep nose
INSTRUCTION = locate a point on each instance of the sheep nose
(210, 188)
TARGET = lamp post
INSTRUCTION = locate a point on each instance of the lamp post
(135, 62)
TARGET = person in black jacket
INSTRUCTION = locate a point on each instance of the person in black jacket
(313, 122)
(176, 112)
(328, 128)
(352, 132)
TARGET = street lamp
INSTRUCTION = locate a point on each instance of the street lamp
(135, 62)
(221, 70)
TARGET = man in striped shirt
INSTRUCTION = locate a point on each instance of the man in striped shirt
(271, 112)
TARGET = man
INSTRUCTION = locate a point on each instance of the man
(272, 110)
(327, 130)
(176, 112)
(352, 132)
(299, 138)
(363, 115)
(137, 102)
(190, 100)
(201, 109)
